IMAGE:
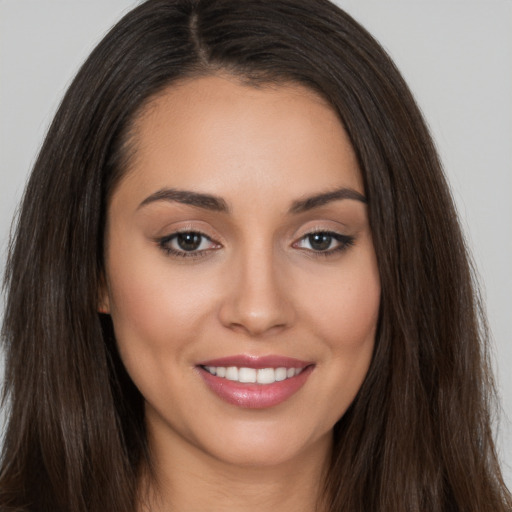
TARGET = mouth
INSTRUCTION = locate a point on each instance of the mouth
(255, 382)
(263, 376)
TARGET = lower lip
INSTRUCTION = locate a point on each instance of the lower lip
(255, 396)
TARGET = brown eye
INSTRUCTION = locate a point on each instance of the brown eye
(320, 241)
(324, 242)
(189, 241)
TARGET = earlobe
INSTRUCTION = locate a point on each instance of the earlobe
(103, 310)
(103, 306)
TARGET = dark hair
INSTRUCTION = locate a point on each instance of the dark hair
(418, 435)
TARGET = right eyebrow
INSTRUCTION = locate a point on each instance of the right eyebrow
(205, 201)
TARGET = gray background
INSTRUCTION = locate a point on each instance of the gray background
(455, 54)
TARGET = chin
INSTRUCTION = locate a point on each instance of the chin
(266, 446)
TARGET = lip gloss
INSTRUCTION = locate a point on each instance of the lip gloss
(254, 395)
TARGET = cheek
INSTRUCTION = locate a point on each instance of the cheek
(154, 307)
(344, 314)
(345, 309)
(157, 315)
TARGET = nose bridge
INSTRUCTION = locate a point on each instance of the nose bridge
(257, 301)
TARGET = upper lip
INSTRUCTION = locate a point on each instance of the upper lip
(256, 362)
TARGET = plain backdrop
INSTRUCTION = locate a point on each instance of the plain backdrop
(456, 56)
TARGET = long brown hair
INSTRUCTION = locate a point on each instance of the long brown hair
(418, 436)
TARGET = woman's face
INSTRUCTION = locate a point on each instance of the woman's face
(241, 276)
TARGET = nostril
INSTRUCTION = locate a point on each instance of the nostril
(254, 329)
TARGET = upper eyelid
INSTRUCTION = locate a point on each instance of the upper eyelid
(183, 231)
(314, 231)
(321, 225)
(188, 229)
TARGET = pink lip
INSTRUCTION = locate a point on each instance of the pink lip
(255, 396)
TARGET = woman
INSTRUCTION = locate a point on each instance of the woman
(230, 285)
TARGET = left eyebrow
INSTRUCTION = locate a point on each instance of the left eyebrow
(309, 203)
(205, 201)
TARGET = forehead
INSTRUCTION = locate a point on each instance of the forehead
(215, 134)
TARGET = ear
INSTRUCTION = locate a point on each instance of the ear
(103, 297)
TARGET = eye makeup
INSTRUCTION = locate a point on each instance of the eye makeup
(324, 243)
(195, 244)
(187, 244)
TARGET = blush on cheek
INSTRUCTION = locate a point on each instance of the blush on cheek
(350, 316)
(158, 311)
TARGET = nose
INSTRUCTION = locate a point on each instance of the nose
(257, 300)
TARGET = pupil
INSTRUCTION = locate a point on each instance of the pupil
(189, 241)
(320, 241)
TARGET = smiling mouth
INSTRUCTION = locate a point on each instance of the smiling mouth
(253, 375)
(254, 382)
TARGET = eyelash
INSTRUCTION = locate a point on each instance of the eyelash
(344, 242)
(164, 242)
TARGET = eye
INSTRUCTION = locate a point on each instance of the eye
(187, 243)
(324, 242)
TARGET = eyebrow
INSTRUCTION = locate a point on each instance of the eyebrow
(206, 201)
(217, 204)
(309, 203)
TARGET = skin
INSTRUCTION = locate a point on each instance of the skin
(257, 286)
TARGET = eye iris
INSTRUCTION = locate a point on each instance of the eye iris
(188, 241)
(320, 241)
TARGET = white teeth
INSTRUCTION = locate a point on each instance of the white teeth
(247, 375)
(232, 373)
(251, 375)
(266, 376)
(280, 374)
